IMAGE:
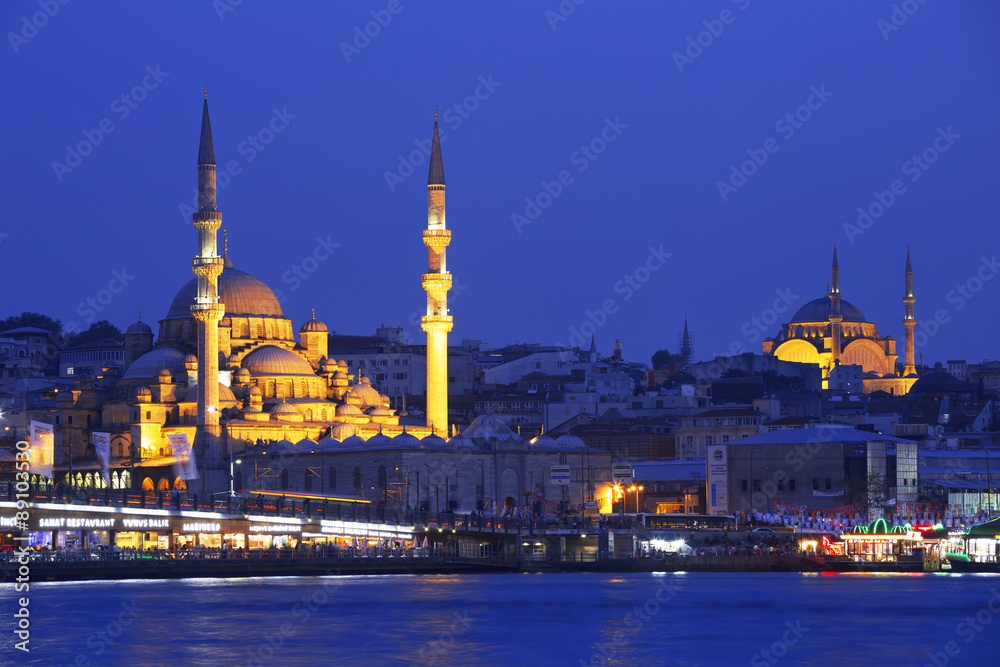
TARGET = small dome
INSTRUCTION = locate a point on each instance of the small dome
(284, 409)
(314, 325)
(343, 431)
(379, 440)
(490, 427)
(150, 364)
(282, 446)
(190, 359)
(327, 445)
(461, 442)
(352, 442)
(433, 440)
(226, 394)
(405, 439)
(329, 366)
(232, 359)
(165, 377)
(143, 391)
(306, 445)
(256, 391)
(243, 375)
(274, 360)
(140, 328)
(380, 412)
(347, 410)
(570, 441)
(65, 396)
(365, 394)
(341, 375)
(543, 441)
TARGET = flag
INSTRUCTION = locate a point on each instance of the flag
(185, 467)
(102, 446)
(42, 443)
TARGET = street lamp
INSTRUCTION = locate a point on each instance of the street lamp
(637, 489)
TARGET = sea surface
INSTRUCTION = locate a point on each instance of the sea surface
(515, 619)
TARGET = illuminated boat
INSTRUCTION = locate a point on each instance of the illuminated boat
(879, 547)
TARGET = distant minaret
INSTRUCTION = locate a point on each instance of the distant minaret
(835, 317)
(686, 350)
(908, 321)
(206, 309)
(436, 282)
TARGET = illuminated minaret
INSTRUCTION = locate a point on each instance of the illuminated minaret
(908, 321)
(835, 317)
(436, 282)
(207, 310)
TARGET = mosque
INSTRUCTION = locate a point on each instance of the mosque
(227, 370)
(832, 333)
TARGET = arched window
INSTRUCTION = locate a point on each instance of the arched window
(260, 331)
(88, 480)
(121, 451)
(381, 477)
(284, 480)
(333, 478)
(309, 415)
(309, 480)
(244, 330)
(303, 389)
(115, 484)
(357, 477)
(180, 485)
(126, 479)
(164, 485)
(147, 485)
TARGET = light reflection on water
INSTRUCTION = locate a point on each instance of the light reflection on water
(704, 619)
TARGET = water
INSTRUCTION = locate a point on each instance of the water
(514, 619)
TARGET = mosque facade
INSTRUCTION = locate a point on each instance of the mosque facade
(832, 332)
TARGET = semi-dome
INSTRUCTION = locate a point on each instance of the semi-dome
(150, 364)
(490, 427)
(243, 295)
(140, 328)
(818, 310)
(274, 360)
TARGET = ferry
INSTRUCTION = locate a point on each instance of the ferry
(879, 547)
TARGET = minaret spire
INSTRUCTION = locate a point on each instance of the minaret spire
(835, 317)
(206, 309)
(909, 368)
(835, 270)
(436, 282)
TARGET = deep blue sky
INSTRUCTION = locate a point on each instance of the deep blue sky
(656, 184)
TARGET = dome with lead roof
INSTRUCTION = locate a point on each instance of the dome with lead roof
(243, 295)
(274, 360)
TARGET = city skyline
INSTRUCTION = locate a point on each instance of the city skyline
(335, 170)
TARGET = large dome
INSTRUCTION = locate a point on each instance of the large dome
(818, 310)
(274, 360)
(150, 364)
(241, 293)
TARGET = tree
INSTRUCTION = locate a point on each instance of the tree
(101, 331)
(29, 319)
(664, 361)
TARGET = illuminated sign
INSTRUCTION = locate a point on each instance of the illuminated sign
(146, 523)
(352, 529)
(74, 524)
(273, 528)
(201, 527)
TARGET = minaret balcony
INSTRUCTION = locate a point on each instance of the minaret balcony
(207, 267)
(208, 312)
(206, 220)
(436, 323)
(436, 282)
(437, 238)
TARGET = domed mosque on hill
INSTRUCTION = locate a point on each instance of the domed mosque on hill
(831, 332)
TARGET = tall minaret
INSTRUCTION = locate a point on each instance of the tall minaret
(436, 282)
(835, 316)
(207, 265)
(908, 321)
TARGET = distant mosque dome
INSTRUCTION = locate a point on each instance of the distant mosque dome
(274, 360)
(352, 441)
(379, 440)
(433, 440)
(243, 295)
(461, 442)
(286, 412)
(140, 328)
(405, 439)
(347, 410)
(314, 325)
(820, 310)
(150, 364)
(543, 441)
(488, 428)
(343, 431)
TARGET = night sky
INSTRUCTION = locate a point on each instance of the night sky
(618, 100)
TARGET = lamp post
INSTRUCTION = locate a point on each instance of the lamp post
(636, 489)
